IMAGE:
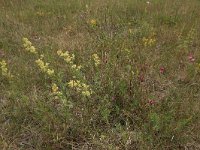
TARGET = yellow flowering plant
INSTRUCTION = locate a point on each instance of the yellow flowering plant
(80, 87)
(69, 59)
(93, 22)
(4, 69)
(58, 94)
(44, 67)
(76, 84)
(28, 46)
(96, 59)
(66, 56)
(149, 41)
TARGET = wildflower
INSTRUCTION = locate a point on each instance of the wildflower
(113, 98)
(80, 87)
(41, 64)
(141, 78)
(148, 2)
(4, 69)
(50, 72)
(130, 31)
(148, 41)
(66, 56)
(44, 67)
(75, 67)
(198, 66)
(162, 70)
(28, 46)
(71, 83)
(93, 22)
(32, 49)
(59, 52)
(96, 59)
(40, 13)
(86, 93)
(42, 56)
(54, 88)
(151, 102)
(57, 94)
(191, 57)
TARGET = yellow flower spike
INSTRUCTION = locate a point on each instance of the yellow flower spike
(54, 88)
(86, 6)
(86, 93)
(55, 91)
(25, 40)
(40, 13)
(74, 66)
(32, 49)
(71, 83)
(66, 56)
(4, 69)
(73, 57)
(44, 67)
(84, 86)
(93, 22)
(198, 66)
(50, 72)
(41, 56)
(3, 63)
(80, 87)
(79, 67)
(28, 46)
(96, 59)
(148, 41)
(59, 52)
(68, 59)
(133, 73)
(130, 31)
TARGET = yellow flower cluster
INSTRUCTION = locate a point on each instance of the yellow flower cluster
(130, 31)
(66, 56)
(69, 59)
(198, 66)
(40, 13)
(28, 46)
(4, 69)
(148, 41)
(44, 66)
(80, 87)
(59, 95)
(96, 59)
(93, 22)
(75, 84)
(55, 90)
(75, 67)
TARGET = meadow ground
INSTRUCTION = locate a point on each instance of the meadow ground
(100, 74)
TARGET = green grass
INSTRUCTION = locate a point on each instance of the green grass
(145, 96)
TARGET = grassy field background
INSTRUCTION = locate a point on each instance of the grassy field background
(138, 86)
